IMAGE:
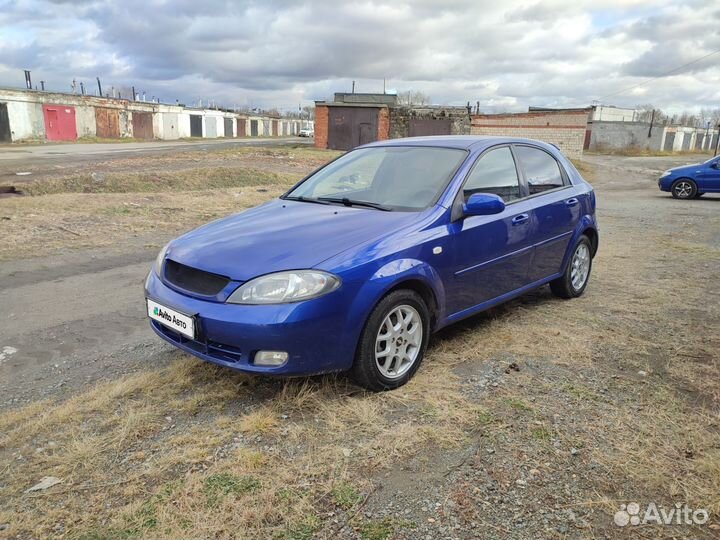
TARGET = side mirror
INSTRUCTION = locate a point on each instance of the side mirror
(483, 204)
(715, 165)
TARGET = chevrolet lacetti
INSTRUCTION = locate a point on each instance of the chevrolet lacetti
(355, 266)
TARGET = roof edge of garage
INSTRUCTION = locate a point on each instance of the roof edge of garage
(360, 105)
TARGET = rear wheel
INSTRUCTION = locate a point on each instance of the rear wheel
(684, 188)
(577, 274)
(393, 342)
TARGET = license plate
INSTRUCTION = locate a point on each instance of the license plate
(172, 319)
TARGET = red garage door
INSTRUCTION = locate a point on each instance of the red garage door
(59, 123)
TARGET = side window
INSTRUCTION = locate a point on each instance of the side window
(541, 169)
(494, 173)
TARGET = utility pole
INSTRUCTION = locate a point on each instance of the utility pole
(353, 87)
(42, 85)
(717, 141)
(28, 81)
(652, 119)
(99, 87)
(82, 88)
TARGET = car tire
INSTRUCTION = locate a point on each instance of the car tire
(404, 349)
(684, 188)
(577, 273)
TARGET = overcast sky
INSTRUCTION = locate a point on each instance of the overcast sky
(279, 53)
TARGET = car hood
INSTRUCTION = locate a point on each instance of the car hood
(282, 235)
(693, 167)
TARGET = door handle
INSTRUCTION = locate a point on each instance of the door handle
(571, 202)
(522, 218)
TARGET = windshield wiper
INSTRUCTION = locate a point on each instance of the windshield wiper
(354, 202)
(304, 199)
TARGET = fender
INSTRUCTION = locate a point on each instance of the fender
(385, 278)
(585, 223)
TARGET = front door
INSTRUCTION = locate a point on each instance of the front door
(490, 254)
(708, 179)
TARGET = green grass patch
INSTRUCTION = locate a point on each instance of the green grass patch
(346, 496)
(219, 486)
(518, 404)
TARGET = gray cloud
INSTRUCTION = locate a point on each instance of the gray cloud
(281, 52)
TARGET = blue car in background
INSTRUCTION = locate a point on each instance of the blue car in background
(692, 181)
(355, 267)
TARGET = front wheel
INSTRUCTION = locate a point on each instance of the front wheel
(393, 342)
(684, 188)
(577, 274)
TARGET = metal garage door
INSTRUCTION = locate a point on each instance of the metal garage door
(669, 140)
(254, 128)
(241, 127)
(60, 123)
(275, 128)
(266, 128)
(351, 126)
(211, 127)
(228, 127)
(195, 125)
(422, 127)
(107, 123)
(686, 141)
(5, 135)
(170, 129)
(142, 125)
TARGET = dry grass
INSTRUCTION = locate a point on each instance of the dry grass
(192, 179)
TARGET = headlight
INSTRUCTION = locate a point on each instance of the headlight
(283, 287)
(157, 267)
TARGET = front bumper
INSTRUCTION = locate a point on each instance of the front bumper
(665, 183)
(316, 333)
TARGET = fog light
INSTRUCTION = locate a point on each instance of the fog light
(270, 358)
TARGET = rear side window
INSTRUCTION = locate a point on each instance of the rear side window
(495, 173)
(541, 169)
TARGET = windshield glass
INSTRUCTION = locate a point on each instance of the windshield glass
(407, 178)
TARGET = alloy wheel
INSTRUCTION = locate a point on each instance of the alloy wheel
(398, 341)
(580, 266)
(683, 189)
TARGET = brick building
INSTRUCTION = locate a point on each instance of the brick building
(354, 119)
(566, 128)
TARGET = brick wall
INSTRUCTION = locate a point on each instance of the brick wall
(383, 125)
(321, 126)
(565, 129)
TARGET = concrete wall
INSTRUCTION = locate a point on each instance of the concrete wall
(565, 129)
(603, 113)
(85, 121)
(400, 118)
(619, 135)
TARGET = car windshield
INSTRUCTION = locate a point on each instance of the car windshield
(406, 178)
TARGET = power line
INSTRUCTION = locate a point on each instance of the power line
(660, 76)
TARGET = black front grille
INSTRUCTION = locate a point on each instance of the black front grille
(194, 280)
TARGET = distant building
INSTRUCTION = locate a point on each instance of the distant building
(53, 116)
(350, 120)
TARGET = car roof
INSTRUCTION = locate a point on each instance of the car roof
(464, 142)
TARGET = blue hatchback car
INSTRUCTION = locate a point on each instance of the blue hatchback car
(355, 267)
(692, 181)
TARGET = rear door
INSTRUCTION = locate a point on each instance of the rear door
(490, 254)
(708, 177)
(555, 208)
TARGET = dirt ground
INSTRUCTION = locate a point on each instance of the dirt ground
(538, 419)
